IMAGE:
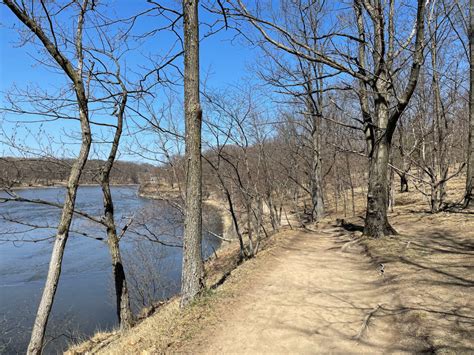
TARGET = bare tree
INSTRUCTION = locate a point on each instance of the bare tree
(468, 197)
(193, 273)
(79, 82)
(303, 83)
(124, 312)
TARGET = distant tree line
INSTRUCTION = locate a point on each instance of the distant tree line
(21, 172)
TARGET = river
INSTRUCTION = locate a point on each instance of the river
(84, 301)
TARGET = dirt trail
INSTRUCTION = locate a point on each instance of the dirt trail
(307, 297)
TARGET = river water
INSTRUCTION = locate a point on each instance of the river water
(84, 301)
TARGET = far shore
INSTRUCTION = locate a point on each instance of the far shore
(26, 187)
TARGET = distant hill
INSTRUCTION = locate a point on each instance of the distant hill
(19, 172)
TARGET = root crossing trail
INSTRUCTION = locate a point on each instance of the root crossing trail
(308, 296)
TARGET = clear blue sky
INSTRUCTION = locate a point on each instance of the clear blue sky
(223, 62)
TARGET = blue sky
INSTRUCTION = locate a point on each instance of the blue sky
(224, 60)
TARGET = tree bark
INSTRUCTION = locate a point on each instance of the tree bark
(317, 204)
(376, 221)
(44, 309)
(192, 273)
(468, 197)
(124, 312)
(440, 125)
(351, 184)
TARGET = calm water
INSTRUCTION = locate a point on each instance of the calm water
(84, 301)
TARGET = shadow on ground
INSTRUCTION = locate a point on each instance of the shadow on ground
(429, 266)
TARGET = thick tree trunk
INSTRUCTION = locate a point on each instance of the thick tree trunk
(379, 132)
(317, 204)
(192, 273)
(468, 197)
(376, 221)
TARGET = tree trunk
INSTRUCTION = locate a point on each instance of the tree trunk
(249, 225)
(44, 309)
(440, 125)
(376, 221)
(391, 189)
(380, 133)
(403, 182)
(435, 199)
(351, 184)
(336, 187)
(470, 148)
(192, 273)
(235, 222)
(344, 200)
(124, 312)
(317, 206)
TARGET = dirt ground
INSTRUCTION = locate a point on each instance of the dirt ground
(430, 268)
(322, 291)
(308, 296)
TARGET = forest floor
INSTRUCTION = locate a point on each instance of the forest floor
(321, 289)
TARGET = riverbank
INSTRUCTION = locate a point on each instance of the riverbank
(166, 323)
(172, 194)
(159, 191)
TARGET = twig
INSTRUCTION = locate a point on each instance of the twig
(365, 323)
(218, 236)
